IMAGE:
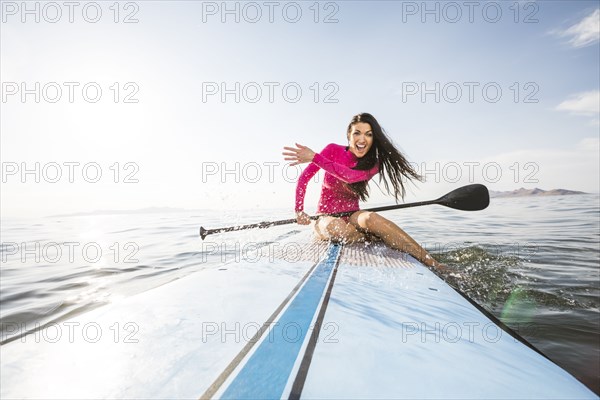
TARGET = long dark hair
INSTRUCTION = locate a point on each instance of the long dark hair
(392, 163)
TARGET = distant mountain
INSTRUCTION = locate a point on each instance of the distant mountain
(534, 192)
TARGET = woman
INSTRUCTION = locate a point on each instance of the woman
(347, 172)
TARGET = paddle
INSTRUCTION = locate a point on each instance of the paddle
(467, 198)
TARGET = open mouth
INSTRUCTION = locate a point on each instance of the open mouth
(361, 147)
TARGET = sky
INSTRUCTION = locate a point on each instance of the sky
(187, 104)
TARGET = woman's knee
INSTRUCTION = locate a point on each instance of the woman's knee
(366, 220)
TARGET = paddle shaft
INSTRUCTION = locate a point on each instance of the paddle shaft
(473, 197)
(267, 224)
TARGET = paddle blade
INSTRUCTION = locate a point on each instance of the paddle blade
(467, 198)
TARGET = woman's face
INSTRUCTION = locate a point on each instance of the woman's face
(360, 139)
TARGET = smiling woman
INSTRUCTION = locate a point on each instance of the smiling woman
(348, 170)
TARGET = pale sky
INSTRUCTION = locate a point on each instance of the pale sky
(195, 106)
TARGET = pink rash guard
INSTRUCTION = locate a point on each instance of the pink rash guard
(335, 196)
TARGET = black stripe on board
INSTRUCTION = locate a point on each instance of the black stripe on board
(300, 379)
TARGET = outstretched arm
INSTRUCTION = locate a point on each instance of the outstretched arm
(299, 155)
(327, 160)
(342, 172)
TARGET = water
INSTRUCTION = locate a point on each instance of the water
(532, 262)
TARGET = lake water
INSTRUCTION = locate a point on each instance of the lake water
(532, 262)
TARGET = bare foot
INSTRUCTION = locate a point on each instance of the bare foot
(440, 267)
(430, 262)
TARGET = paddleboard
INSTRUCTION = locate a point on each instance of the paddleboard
(302, 320)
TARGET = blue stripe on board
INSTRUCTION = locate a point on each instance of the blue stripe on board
(268, 369)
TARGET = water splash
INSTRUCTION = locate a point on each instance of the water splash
(501, 282)
(483, 275)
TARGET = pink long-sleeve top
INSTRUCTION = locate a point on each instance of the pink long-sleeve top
(337, 162)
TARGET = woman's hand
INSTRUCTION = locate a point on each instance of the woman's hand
(299, 155)
(302, 218)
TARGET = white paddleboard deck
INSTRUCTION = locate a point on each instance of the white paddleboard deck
(404, 333)
(389, 328)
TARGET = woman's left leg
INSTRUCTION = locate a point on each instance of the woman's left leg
(392, 235)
